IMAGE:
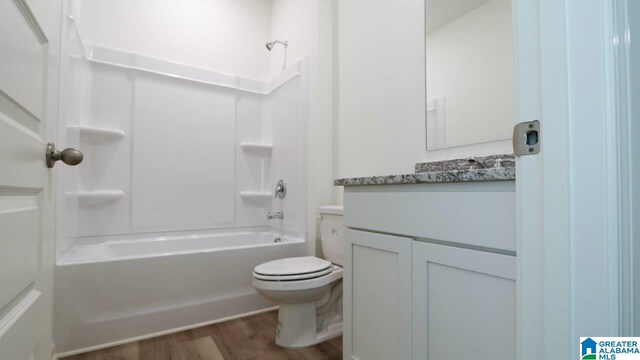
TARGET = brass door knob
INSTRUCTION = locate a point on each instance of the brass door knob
(70, 156)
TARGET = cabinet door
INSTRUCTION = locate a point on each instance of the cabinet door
(377, 294)
(464, 304)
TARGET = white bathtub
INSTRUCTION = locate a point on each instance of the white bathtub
(110, 290)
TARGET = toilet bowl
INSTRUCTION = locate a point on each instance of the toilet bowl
(308, 289)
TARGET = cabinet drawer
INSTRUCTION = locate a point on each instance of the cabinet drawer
(477, 214)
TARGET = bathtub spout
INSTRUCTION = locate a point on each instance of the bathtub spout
(275, 215)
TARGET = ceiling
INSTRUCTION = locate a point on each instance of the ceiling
(440, 12)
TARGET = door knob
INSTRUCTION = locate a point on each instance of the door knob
(68, 156)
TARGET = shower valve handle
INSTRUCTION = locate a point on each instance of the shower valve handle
(281, 189)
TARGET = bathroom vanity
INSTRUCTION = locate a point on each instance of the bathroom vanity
(430, 263)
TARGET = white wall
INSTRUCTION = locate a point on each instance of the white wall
(381, 86)
(308, 25)
(291, 20)
(180, 165)
(221, 35)
(470, 64)
(168, 115)
(287, 109)
(382, 90)
(323, 130)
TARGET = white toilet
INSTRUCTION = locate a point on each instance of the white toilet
(308, 289)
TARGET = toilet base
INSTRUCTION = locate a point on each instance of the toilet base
(297, 327)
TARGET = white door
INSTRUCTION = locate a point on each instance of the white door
(530, 252)
(566, 196)
(377, 296)
(29, 31)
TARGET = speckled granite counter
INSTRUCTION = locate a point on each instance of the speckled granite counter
(449, 171)
(490, 161)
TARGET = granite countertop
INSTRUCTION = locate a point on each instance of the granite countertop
(497, 168)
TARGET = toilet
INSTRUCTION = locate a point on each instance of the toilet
(308, 289)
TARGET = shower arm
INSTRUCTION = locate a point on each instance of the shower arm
(285, 43)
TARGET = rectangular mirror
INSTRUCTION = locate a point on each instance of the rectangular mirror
(470, 72)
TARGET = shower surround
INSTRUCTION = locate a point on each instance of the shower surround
(162, 224)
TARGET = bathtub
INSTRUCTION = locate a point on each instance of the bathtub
(111, 290)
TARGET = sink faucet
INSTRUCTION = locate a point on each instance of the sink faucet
(275, 215)
(502, 163)
(475, 163)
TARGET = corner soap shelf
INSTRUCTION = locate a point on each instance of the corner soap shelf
(256, 147)
(96, 134)
(97, 196)
(256, 195)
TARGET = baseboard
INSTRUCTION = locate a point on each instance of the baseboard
(52, 352)
(161, 333)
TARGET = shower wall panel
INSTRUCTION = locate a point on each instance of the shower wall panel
(164, 151)
(107, 164)
(179, 165)
(286, 106)
(75, 88)
(183, 166)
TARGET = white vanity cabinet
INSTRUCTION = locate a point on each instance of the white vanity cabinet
(430, 271)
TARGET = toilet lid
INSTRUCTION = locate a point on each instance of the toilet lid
(306, 265)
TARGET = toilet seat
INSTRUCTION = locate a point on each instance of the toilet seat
(291, 269)
(292, 277)
(293, 285)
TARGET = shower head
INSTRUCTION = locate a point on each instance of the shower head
(270, 45)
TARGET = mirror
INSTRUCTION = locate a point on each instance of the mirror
(470, 72)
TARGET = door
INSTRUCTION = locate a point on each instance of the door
(567, 201)
(529, 177)
(464, 303)
(377, 296)
(29, 31)
(627, 79)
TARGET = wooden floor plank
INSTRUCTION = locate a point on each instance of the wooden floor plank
(250, 338)
(200, 349)
(154, 349)
(122, 352)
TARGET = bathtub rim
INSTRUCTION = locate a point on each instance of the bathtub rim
(65, 258)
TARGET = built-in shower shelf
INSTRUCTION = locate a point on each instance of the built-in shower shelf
(98, 196)
(256, 195)
(257, 147)
(96, 134)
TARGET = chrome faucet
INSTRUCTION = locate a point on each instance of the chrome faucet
(502, 163)
(275, 215)
(475, 163)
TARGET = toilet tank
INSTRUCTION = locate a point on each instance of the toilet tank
(332, 233)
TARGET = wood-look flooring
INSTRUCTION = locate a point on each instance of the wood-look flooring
(250, 338)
